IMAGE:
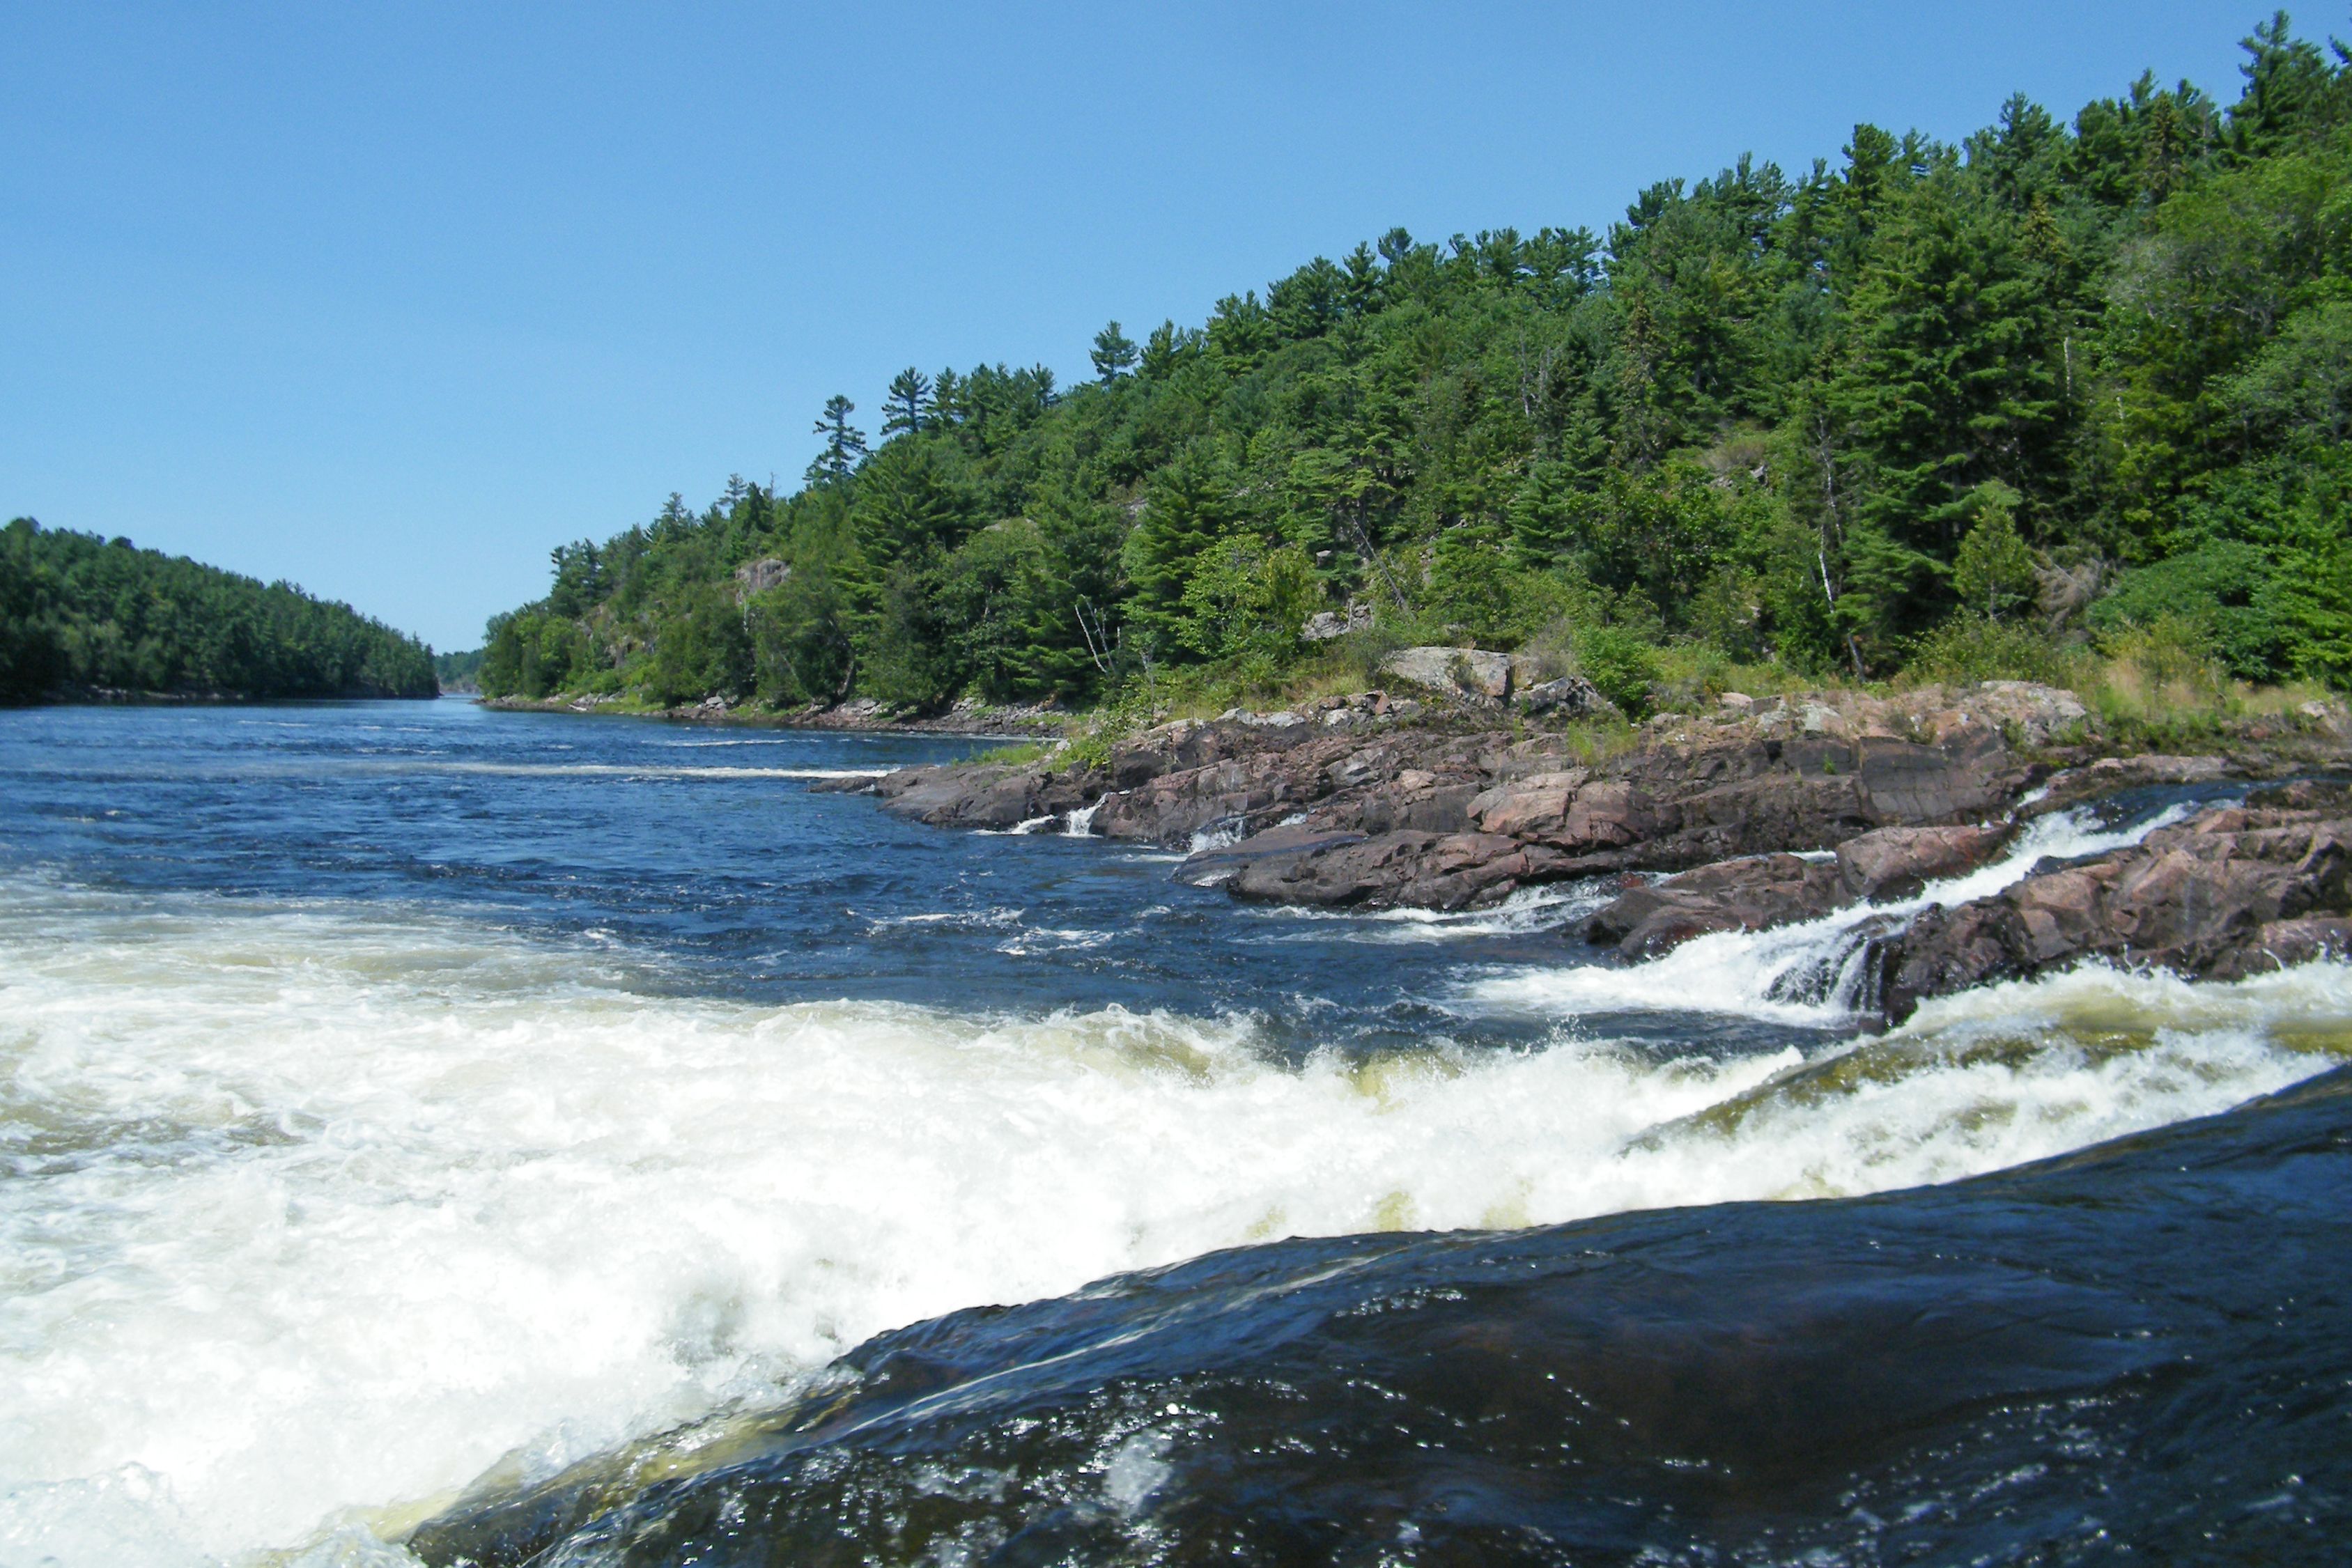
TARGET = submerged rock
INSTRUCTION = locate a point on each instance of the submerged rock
(2146, 1343)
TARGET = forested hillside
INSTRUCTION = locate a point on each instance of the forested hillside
(458, 672)
(1926, 406)
(80, 614)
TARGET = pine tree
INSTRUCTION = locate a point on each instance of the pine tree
(1190, 505)
(1947, 383)
(909, 507)
(1993, 572)
(909, 402)
(845, 444)
(1115, 354)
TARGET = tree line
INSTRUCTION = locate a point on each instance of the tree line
(2056, 380)
(81, 614)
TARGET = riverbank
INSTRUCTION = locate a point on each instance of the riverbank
(1763, 814)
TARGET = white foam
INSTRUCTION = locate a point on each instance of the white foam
(320, 1212)
(1525, 911)
(1744, 973)
(1222, 835)
(1081, 823)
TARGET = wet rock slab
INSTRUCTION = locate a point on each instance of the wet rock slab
(2150, 1343)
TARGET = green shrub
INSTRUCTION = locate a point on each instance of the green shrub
(2221, 587)
(1971, 648)
(1620, 664)
(1130, 709)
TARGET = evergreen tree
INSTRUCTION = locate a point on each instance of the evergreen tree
(1945, 382)
(909, 402)
(845, 444)
(909, 506)
(1190, 506)
(1115, 354)
(1993, 571)
(1808, 418)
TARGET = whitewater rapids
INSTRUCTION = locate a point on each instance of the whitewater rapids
(313, 1213)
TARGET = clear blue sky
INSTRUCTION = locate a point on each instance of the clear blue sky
(389, 299)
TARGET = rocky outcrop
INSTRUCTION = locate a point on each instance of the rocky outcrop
(2237, 890)
(990, 796)
(1326, 624)
(755, 577)
(1465, 672)
(1411, 867)
(1569, 696)
(1372, 807)
(1393, 805)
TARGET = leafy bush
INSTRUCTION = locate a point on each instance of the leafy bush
(1128, 710)
(1619, 664)
(1972, 648)
(2221, 587)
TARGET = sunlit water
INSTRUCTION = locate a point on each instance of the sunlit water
(389, 1090)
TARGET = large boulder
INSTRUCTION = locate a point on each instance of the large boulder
(1568, 696)
(1463, 673)
(1899, 862)
(1529, 808)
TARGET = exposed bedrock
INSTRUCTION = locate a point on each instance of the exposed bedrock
(2235, 891)
(984, 796)
(1448, 821)
(1361, 802)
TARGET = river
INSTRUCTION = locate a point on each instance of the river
(403, 1105)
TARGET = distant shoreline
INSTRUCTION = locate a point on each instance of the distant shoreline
(102, 696)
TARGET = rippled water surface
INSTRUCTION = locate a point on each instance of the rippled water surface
(398, 1100)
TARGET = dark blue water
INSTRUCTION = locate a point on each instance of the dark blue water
(703, 852)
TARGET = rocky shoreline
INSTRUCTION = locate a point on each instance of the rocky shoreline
(1759, 815)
